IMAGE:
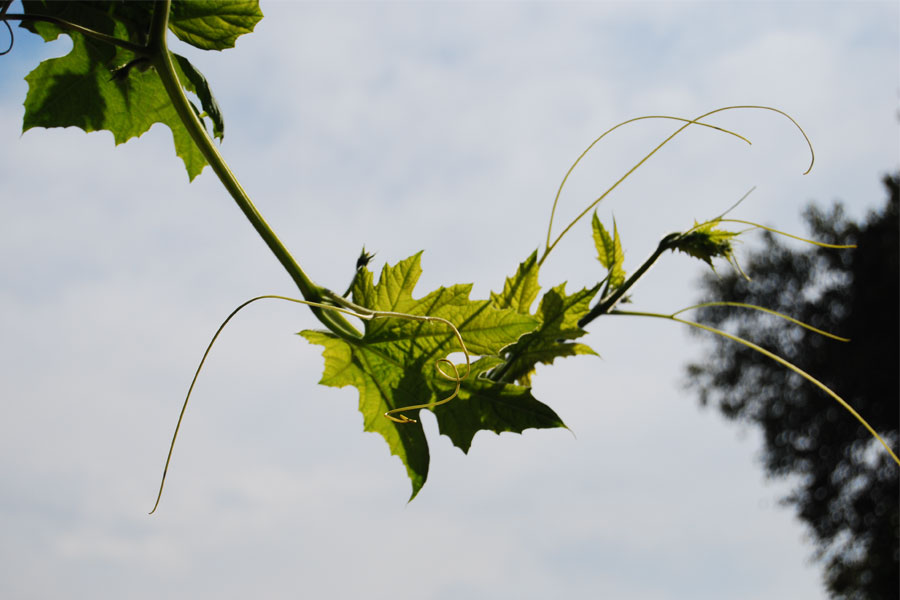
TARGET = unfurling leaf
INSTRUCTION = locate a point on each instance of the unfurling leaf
(706, 242)
(609, 252)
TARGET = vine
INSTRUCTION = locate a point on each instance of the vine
(399, 360)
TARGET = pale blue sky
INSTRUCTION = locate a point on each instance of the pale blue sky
(407, 126)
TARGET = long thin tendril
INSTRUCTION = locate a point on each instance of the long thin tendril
(785, 363)
(350, 309)
(594, 143)
(12, 38)
(780, 315)
(4, 6)
(687, 123)
(736, 204)
(400, 418)
(792, 236)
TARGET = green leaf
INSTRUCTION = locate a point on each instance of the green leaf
(394, 364)
(193, 81)
(520, 290)
(213, 24)
(483, 404)
(382, 386)
(706, 242)
(559, 314)
(98, 86)
(129, 21)
(609, 252)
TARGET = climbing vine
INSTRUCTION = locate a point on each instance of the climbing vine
(120, 76)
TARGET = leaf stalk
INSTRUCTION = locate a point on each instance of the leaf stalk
(608, 303)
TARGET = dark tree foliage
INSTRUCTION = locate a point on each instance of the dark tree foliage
(849, 487)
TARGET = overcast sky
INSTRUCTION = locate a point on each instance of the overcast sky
(408, 126)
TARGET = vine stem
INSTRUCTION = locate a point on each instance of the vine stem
(606, 304)
(158, 53)
(785, 363)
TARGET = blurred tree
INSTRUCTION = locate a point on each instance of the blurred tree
(849, 490)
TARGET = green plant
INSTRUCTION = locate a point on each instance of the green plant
(121, 76)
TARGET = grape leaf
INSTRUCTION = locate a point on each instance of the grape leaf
(520, 290)
(393, 365)
(558, 314)
(382, 386)
(489, 405)
(609, 252)
(99, 86)
(213, 24)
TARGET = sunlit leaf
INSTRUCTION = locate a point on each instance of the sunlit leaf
(558, 314)
(213, 24)
(394, 364)
(609, 252)
(520, 290)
